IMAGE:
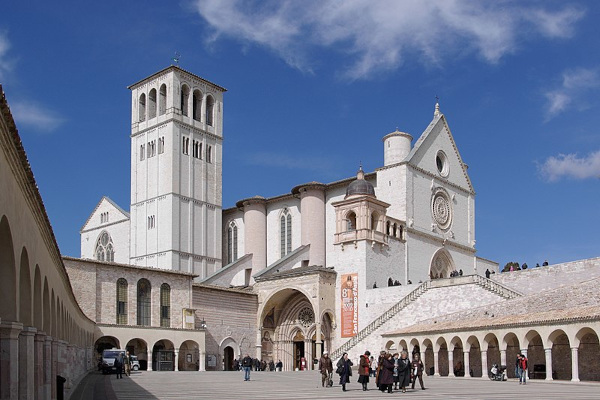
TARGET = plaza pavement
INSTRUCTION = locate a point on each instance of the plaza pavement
(306, 385)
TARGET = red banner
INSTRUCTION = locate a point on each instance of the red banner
(349, 305)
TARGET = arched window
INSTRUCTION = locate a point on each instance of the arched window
(142, 107)
(121, 301)
(387, 228)
(144, 291)
(185, 96)
(374, 221)
(104, 248)
(351, 221)
(162, 99)
(400, 232)
(152, 104)
(232, 243)
(197, 105)
(165, 305)
(209, 154)
(394, 230)
(210, 105)
(286, 233)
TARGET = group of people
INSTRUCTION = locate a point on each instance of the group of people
(453, 274)
(123, 364)
(248, 364)
(521, 369)
(391, 371)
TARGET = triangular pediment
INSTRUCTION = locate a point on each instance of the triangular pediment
(115, 214)
(437, 139)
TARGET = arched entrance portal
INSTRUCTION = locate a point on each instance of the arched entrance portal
(189, 356)
(139, 348)
(106, 342)
(292, 330)
(228, 358)
(441, 264)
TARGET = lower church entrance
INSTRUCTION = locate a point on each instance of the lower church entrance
(299, 352)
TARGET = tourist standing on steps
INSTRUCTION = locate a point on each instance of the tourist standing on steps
(386, 373)
(523, 369)
(326, 368)
(417, 368)
(344, 369)
(247, 363)
(364, 370)
(404, 371)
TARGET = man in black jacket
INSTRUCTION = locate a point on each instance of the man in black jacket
(247, 365)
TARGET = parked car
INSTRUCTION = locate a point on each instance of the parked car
(135, 364)
(108, 360)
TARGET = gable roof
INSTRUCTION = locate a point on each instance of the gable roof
(111, 202)
(439, 119)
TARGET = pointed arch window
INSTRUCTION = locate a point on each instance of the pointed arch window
(165, 305)
(144, 290)
(232, 243)
(105, 248)
(122, 301)
(285, 233)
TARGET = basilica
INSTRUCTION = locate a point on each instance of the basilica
(365, 262)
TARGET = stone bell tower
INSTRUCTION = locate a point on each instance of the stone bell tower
(176, 172)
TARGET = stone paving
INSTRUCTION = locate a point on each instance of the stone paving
(299, 386)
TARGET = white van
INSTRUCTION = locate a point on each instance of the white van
(108, 360)
(135, 364)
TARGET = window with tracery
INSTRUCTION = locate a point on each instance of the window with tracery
(144, 291)
(122, 301)
(104, 248)
(285, 233)
(165, 305)
(232, 243)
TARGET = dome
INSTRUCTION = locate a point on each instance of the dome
(360, 187)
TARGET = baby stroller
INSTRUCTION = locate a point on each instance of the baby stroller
(498, 373)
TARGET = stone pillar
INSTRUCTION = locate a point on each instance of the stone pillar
(47, 368)
(27, 363)
(548, 353)
(202, 361)
(308, 354)
(436, 363)
(503, 357)
(312, 204)
(69, 365)
(176, 360)
(9, 359)
(149, 362)
(54, 369)
(319, 342)
(259, 345)
(575, 364)
(62, 359)
(484, 366)
(466, 363)
(423, 361)
(451, 363)
(39, 342)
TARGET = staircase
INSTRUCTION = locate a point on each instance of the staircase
(481, 281)
(383, 318)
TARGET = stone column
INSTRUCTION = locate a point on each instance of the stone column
(308, 354)
(176, 360)
(39, 342)
(54, 368)
(503, 357)
(9, 359)
(202, 361)
(466, 363)
(484, 366)
(149, 362)
(319, 342)
(548, 353)
(423, 361)
(451, 363)
(259, 344)
(69, 365)
(47, 368)
(575, 364)
(436, 363)
(27, 363)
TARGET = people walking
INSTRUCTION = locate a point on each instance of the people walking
(119, 365)
(417, 368)
(326, 368)
(522, 369)
(247, 363)
(379, 364)
(404, 371)
(373, 366)
(127, 364)
(386, 373)
(279, 366)
(395, 358)
(344, 369)
(364, 370)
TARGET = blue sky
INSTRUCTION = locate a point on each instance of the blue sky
(313, 87)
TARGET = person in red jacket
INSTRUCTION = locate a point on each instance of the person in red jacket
(364, 369)
(522, 369)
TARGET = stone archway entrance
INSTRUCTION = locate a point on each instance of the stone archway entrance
(163, 356)
(298, 350)
(228, 358)
(441, 265)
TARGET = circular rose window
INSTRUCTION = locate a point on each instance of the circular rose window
(306, 316)
(441, 209)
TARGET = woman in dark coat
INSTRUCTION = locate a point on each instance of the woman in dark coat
(404, 371)
(417, 368)
(344, 369)
(386, 373)
(364, 369)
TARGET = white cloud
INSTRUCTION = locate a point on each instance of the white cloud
(573, 90)
(571, 166)
(5, 64)
(35, 116)
(379, 35)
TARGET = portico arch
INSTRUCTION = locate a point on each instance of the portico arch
(588, 354)
(227, 356)
(139, 348)
(163, 356)
(429, 358)
(189, 356)
(106, 342)
(8, 283)
(473, 346)
(511, 348)
(561, 352)
(442, 367)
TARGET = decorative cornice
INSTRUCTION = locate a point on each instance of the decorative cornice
(179, 123)
(443, 241)
(173, 68)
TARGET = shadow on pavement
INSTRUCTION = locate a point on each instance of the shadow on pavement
(96, 386)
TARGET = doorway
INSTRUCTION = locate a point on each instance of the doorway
(298, 354)
(228, 359)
